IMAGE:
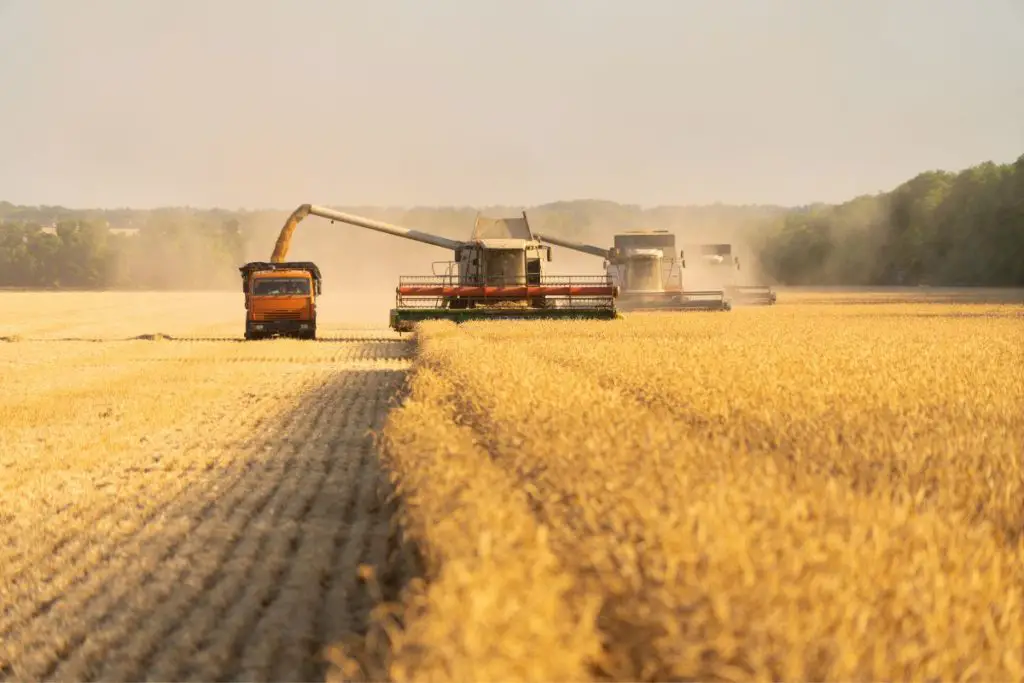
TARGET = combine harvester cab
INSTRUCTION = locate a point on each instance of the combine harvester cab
(718, 263)
(497, 274)
(649, 276)
(280, 299)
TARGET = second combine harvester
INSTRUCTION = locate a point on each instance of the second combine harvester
(497, 273)
(644, 265)
(718, 265)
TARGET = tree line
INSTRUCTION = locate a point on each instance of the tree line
(167, 250)
(939, 228)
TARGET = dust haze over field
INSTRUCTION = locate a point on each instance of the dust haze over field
(449, 108)
(361, 267)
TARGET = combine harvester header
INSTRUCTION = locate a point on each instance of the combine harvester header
(644, 265)
(498, 273)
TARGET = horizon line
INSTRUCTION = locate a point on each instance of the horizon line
(456, 207)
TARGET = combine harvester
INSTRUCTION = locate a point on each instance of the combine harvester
(718, 266)
(497, 274)
(650, 277)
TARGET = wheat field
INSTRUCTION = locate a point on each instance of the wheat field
(176, 504)
(830, 489)
(818, 491)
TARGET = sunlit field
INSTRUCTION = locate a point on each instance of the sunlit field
(812, 491)
(176, 503)
(829, 488)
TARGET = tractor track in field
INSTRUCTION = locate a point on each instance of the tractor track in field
(236, 561)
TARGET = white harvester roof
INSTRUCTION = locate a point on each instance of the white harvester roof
(502, 228)
(645, 253)
(504, 243)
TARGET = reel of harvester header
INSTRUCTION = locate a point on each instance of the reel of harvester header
(650, 277)
(498, 273)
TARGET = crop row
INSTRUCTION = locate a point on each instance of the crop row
(801, 493)
(191, 520)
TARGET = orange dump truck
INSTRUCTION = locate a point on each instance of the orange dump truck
(280, 299)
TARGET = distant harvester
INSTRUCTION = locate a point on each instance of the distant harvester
(644, 265)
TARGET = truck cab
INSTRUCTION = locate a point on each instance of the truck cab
(280, 299)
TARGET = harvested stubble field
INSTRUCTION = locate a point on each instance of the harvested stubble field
(806, 492)
(178, 504)
(827, 489)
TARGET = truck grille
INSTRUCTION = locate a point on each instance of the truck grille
(282, 315)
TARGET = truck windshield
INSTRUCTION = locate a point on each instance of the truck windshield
(281, 286)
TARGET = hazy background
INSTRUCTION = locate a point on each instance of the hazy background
(405, 102)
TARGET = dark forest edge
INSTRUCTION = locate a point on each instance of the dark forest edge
(940, 228)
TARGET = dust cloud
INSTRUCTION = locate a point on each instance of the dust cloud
(689, 237)
(362, 267)
(181, 257)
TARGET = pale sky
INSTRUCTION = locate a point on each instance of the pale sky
(272, 103)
